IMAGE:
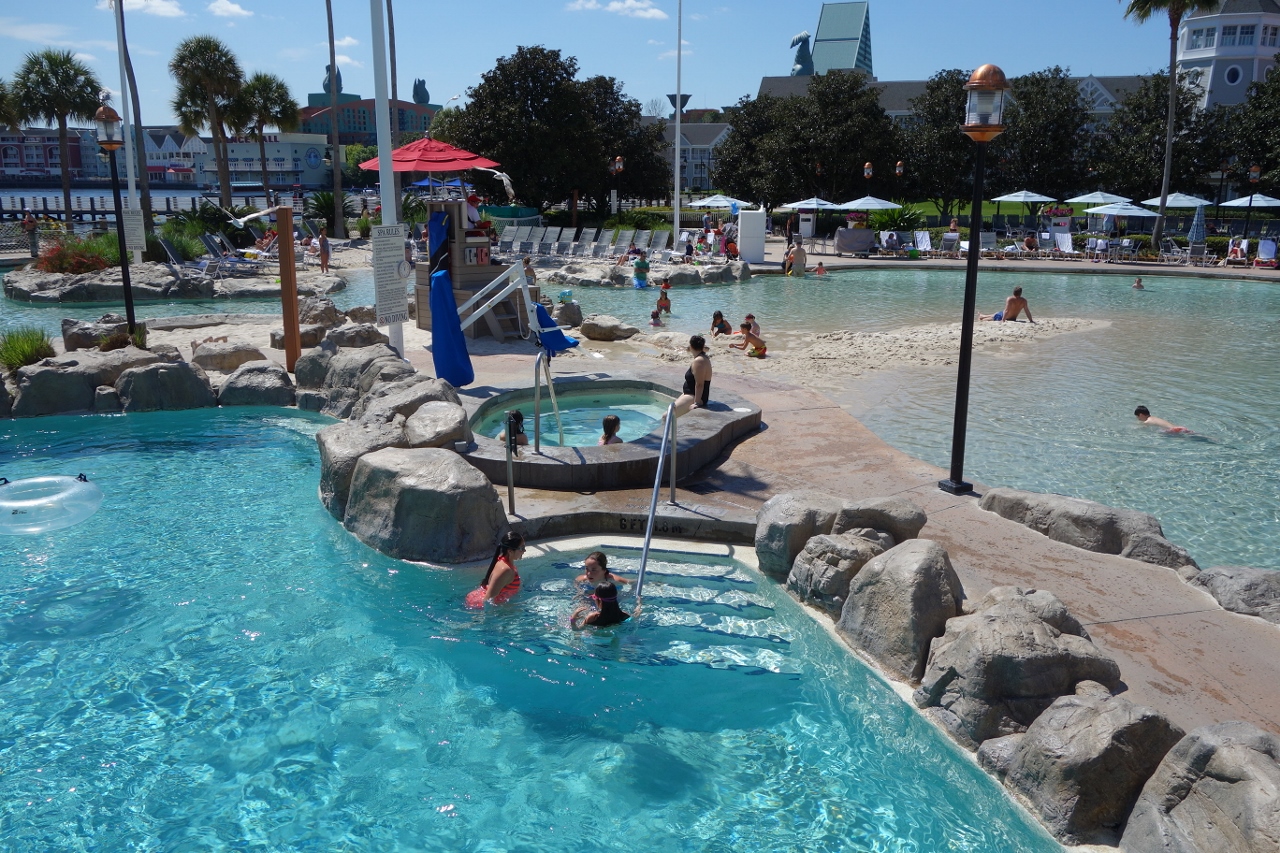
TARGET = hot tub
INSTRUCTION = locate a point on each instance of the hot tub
(701, 435)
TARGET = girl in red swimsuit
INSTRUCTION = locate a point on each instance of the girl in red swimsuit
(502, 581)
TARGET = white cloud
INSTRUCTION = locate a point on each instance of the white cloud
(89, 57)
(228, 9)
(346, 60)
(626, 8)
(49, 35)
(696, 17)
(347, 41)
(655, 42)
(159, 8)
(671, 54)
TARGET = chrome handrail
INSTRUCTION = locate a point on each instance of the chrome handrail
(544, 362)
(668, 431)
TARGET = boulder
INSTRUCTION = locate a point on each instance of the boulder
(80, 334)
(350, 373)
(312, 367)
(437, 424)
(257, 383)
(899, 602)
(317, 310)
(308, 336)
(70, 383)
(1215, 790)
(357, 335)
(403, 396)
(567, 314)
(6, 401)
(682, 276)
(898, 517)
(225, 356)
(106, 400)
(310, 401)
(147, 280)
(1089, 525)
(821, 572)
(164, 387)
(993, 672)
(602, 327)
(1243, 589)
(341, 446)
(362, 314)
(424, 504)
(787, 522)
(1038, 602)
(166, 352)
(384, 370)
(1083, 762)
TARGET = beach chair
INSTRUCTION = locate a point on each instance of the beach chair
(210, 267)
(229, 261)
(1013, 222)
(1062, 243)
(547, 243)
(660, 241)
(859, 242)
(603, 244)
(622, 244)
(642, 239)
(1125, 251)
(950, 245)
(998, 223)
(585, 239)
(507, 240)
(923, 243)
(529, 245)
(1198, 256)
(1266, 254)
(1243, 260)
(1172, 253)
(987, 246)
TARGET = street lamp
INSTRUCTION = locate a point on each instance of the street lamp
(899, 169)
(110, 139)
(866, 170)
(983, 122)
(615, 169)
(1255, 172)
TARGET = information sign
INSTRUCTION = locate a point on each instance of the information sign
(135, 236)
(390, 274)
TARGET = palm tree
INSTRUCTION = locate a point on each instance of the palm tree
(8, 116)
(139, 139)
(1176, 10)
(264, 102)
(339, 221)
(54, 86)
(209, 78)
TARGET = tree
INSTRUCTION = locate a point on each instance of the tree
(1127, 153)
(139, 140)
(939, 156)
(352, 173)
(655, 107)
(334, 81)
(1043, 149)
(54, 86)
(1143, 11)
(263, 102)
(8, 114)
(618, 132)
(1253, 136)
(209, 78)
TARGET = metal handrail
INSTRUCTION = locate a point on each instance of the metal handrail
(515, 280)
(545, 363)
(668, 431)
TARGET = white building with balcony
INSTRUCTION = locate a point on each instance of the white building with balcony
(1223, 52)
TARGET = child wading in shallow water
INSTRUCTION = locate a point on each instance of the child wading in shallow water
(664, 302)
(655, 317)
(752, 340)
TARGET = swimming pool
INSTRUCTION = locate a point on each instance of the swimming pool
(212, 662)
(581, 413)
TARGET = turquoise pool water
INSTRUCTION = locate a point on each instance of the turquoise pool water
(581, 415)
(212, 663)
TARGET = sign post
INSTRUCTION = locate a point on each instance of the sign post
(288, 286)
(395, 305)
(390, 275)
(135, 235)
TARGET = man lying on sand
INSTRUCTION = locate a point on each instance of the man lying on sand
(1013, 306)
(1144, 415)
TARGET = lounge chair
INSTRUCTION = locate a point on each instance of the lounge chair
(859, 242)
(1198, 256)
(585, 239)
(529, 245)
(950, 244)
(622, 244)
(547, 242)
(1243, 260)
(1065, 249)
(1266, 254)
(603, 244)
(210, 267)
(987, 247)
(924, 244)
(1172, 253)
(1126, 251)
(660, 240)
(642, 239)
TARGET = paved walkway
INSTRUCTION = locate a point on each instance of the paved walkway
(1178, 651)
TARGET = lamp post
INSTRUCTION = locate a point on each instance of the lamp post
(983, 119)
(110, 139)
(615, 169)
(1255, 172)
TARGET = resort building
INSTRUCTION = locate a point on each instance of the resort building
(698, 141)
(1224, 51)
(33, 153)
(844, 38)
(357, 123)
(293, 159)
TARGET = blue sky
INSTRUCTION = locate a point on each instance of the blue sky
(729, 44)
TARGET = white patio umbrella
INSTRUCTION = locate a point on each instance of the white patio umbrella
(1180, 200)
(869, 202)
(720, 201)
(1122, 209)
(1025, 197)
(1255, 200)
(814, 203)
(1098, 198)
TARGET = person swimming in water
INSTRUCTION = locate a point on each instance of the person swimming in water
(502, 581)
(595, 570)
(608, 612)
(1137, 284)
(1144, 415)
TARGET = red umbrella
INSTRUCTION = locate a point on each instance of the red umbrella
(431, 155)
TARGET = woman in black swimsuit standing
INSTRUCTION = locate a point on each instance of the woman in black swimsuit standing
(697, 379)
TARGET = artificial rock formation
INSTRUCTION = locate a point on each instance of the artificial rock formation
(822, 571)
(898, 517)
(257, 383)
(317, 310)
(225, 356)
(567, 314)
(1216, 791)
(786, 523)
(357, 335)
(437, 424)
(164, 386)
(341, 446)
(424, 504)
(899, 602)
(69, 383)
(1082, 763)
(1092, 526)
(81, 334)
(1243, 589)
(602, 327)
(994, 671)
(309, 335)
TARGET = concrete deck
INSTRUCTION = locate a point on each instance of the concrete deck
(1178, 650)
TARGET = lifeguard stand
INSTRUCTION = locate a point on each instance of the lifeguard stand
(469, 264)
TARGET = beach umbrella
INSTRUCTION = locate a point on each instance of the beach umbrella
(1024, 197)
(1197, 232)
(1098, 198)
(869, 202)
(1255, 200)
(720, 201)
(1120, 209)
(431, 155)
(814, 203)
(1180, 200)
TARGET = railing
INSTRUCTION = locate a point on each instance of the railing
(540, 367)
(511, 279)
(668, 432)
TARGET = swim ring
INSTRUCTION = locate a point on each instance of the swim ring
(40, 504)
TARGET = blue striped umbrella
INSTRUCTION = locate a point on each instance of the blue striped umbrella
(1197, 232)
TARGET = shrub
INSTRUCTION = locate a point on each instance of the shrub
(119, 340)
(24, 345)
(76, 256)
(320, 205)
(906, 218)
(638, 220)
(364, 227)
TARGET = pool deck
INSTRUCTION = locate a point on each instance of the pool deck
(1178, 651)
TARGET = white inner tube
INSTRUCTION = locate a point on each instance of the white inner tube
(39, 504)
